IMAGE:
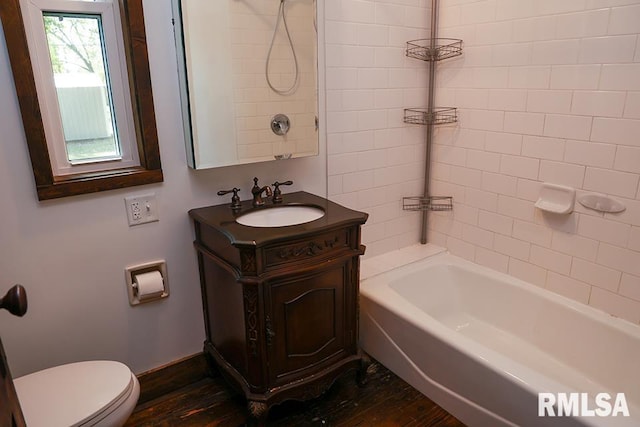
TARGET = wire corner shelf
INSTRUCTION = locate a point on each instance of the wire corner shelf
(439, 116)
(429, 203)
(434, 49)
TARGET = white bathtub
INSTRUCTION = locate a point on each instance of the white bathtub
(482, 344)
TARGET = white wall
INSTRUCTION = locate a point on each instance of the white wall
(70, 254)
(547, 91)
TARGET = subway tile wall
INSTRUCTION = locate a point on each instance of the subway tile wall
(374, 159)
(251, 31)
(547, 90)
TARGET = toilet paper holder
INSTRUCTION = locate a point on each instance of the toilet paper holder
(146, 274)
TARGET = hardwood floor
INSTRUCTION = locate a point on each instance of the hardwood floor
(385, 400)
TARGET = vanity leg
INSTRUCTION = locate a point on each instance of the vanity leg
(258, 411)
(361, 374)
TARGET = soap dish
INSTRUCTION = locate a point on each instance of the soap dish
(556, 199)
(601, 203)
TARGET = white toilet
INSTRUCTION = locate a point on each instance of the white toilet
(96, 393)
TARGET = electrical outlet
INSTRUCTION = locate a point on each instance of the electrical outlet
(141, 209)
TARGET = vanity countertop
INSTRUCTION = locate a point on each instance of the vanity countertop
(223, 219)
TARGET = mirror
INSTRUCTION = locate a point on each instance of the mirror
(248, 76)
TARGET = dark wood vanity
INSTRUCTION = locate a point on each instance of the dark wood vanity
(280, 303)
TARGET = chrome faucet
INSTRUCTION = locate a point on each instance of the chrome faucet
(257, 193)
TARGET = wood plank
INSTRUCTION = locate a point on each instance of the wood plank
(385, 400)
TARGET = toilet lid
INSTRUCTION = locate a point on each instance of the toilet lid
(72, 394)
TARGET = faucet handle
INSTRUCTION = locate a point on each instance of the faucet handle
(277, 194)
(235, 200)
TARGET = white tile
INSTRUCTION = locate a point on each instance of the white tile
(550, 260)
(449, 154)
(506, 143)
(514, 9)
(543, 147)
(512, 247)
(611, 182)
(528, 272)
(630, 286)
(631, 215)
(478, 12)
(528, 190)
(598, 103)
(372, 35)
(594, 274)
(495, 222)
(483, 160)
(342, 163)
(357, 181)
(461, 248)
(555, 52)
(523, 167)
(340, 32)
(524, 123)
(625, 20)
(516, 208)
(492, 260)
(481, 199)
(634, 239)
(358, 11)
(570, 288)
(550, 7)
(510, 99)
(632, 105)
(472, 98)
(485, 120)
(561, 173)
(494, 33)
(584, 77)
(627, 159)
(477, 236)
(372, 159)
(498, 183)
(511, 54)
(357, 99)
(534, 29)
(389, 14)
(469, 138)
(607, 50)
(574, 245)
(617, 305)
(465, 176)
(466, 214)
(616, 131)
(625, 260)
(372, 119)
(620, 77)
(564, 126)
(530, 77)
(604, 230)
(532, 233)
(368, 78)
(389, 98)
(583, 24)
(549, 101)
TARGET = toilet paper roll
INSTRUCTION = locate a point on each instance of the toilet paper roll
(148, 285)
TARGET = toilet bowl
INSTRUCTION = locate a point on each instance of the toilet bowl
(95, 393)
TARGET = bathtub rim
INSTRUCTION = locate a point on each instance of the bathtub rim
(377, 289)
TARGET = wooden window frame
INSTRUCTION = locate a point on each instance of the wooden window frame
(49, 186)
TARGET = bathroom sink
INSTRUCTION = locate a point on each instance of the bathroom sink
(280, 216)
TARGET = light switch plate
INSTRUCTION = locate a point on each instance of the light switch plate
(142, 209)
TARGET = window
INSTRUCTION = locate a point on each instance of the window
(76, 71)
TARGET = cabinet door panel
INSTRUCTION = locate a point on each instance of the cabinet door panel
(306, 324)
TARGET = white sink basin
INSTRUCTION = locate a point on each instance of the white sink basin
(280, 216)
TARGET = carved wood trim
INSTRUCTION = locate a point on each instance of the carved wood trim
(251, 318)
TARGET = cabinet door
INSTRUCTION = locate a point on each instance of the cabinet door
(306, 325)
